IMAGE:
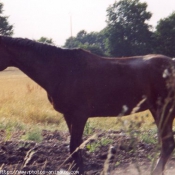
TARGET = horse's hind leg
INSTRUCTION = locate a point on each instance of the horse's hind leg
(167, 143)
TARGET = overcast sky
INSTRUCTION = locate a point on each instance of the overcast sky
(51, 18)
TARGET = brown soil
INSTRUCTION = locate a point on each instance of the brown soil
(123, 156)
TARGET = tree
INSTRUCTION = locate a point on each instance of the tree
(92, 48)
(5, 28)
(72, 42)
(90, 41)
(165, 35)
(127, 32)
(46, 40)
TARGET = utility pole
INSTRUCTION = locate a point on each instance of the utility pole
(71, 25)
(71, 30)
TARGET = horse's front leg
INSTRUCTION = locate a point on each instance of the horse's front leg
(168, 145)
(76, 123)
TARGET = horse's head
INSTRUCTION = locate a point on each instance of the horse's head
(5, 56)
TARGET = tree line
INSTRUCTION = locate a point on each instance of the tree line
(127, 32)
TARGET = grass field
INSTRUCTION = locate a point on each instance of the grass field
(24, 106)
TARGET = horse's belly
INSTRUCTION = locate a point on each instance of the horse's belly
(118, 107)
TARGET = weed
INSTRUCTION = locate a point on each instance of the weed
(88, 129)
(93, 146)
(11, 125)
(149, 137)
(33, 135)
(24, 145)
(117, 164)
(8, 135)
(105, 141)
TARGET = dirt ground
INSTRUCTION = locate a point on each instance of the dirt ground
(125, 156)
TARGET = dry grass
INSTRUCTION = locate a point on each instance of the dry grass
(24, 104)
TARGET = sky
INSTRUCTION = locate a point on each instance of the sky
(59, 19)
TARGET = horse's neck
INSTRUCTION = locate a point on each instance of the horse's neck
(39, 69)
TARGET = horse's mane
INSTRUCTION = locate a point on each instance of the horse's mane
(73, 56)
(30, 44)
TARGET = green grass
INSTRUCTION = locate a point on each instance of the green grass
(93, 146)
(33, 135)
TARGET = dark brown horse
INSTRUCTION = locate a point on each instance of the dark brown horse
(81, 85)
